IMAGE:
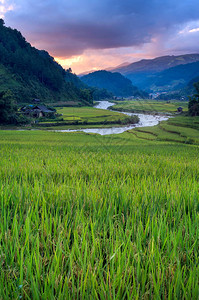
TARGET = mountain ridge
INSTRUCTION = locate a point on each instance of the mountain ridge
(115, 83)
(158, 64)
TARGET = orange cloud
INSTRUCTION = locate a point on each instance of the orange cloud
(92, 60)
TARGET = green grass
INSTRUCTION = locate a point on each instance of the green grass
(87, 117)
(150, 106)
(98, 217)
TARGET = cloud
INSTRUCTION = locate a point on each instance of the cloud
(4, 8)
(68, 28)
(194, 30)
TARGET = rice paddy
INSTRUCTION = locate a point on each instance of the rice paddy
(99, 217)
(85, 117)
(151, 106)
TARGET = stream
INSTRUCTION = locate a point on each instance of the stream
(145, 121)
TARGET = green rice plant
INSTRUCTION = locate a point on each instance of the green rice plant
(97, 217)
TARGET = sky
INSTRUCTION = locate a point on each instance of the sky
(98, 34)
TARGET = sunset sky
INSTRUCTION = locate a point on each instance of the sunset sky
(97, 34)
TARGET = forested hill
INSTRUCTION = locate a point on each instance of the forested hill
(31, 73)
(113, 82)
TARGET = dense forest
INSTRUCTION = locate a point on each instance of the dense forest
(31, 73)
(115, 83)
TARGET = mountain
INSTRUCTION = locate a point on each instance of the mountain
(157, 64)
(189, 90)
(173, 78)
(183, 88)
(113, 82)
(120, 66)
(31, 73)
(106, 69)
(97, 93)
(144, 72)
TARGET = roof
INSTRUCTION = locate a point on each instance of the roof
(36, 108)
(43, 108)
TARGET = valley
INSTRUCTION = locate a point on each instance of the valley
(99, 174)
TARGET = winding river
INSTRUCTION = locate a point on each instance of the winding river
(145, 120)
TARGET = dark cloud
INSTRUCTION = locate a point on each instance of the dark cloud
(68, 28)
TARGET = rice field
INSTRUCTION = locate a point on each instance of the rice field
(181, 129)
(85, 117)
(151, 106)
(98, 217)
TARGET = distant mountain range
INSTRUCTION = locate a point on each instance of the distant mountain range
(120, 66)
(163, 73)
(106, 69)
(157, 64)
(115, 83)
(173, 78)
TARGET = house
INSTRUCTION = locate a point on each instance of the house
(37, 111)
(36, 101)
(179, 109)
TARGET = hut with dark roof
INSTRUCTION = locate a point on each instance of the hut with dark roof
(37, 111)
(179, 109)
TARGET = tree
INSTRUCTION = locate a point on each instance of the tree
(69, 70)
(193, 105)
(2, 23)
(8, 108)
(86, 96)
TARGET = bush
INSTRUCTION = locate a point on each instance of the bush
(22, 120)
(8, 108)
(193, 105)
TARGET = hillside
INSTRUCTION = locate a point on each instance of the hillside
(173, 78)
(31, 73)
(189, 90)
(144, 72)
(113, 82)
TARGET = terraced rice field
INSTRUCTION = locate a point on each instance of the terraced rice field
(179, 129)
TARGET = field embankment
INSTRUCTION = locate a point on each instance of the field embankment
(181, 129)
